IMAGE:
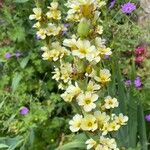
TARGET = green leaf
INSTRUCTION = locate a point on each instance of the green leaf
(15, 82)
(24, 62)
(77, 143)
(132, 123)
(142, 128)
(73, 146)
(3, 146)
(17, 34)
(20, 1)
(1, 104)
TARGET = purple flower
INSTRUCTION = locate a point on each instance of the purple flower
(106, 56)
(65, 28)
(37, 37)
(66, 25)
(137, 82)
(112, 3)
(147, 117)
(8, 55)
(128, 8)
(128, 82)
(24, 111)
(18, 54)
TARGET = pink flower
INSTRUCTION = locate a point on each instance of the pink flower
(139, 59)
(140, 51)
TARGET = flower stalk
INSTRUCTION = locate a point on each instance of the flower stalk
(78, 67)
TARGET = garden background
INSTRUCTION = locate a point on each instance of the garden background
(33, 116)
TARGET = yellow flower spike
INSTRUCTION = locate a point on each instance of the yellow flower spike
(81, 77)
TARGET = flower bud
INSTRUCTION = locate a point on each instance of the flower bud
(83, 29)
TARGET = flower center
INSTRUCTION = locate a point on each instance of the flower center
(110, 102)
(90, 124)
(83, 50)
(88, 101)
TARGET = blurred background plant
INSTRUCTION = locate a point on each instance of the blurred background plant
(31, 110)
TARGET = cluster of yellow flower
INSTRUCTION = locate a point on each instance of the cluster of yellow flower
(78, 67)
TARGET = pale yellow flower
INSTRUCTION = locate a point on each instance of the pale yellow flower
(67, 97)
(41, 33)
(44, 48)
(75, 123)
(94, 57)
(37, 25)
(89, 123)
(75, 89)
(90, 73)
(66, 70)
(104, 76)
(61, 86)
(71, 92)
(82, 8)
(110, 102)
(99, 29)
(90, 143)
(101, 147)
(110, 143)
(51, 55)
(84, 50)
(102, 118)
(105, 128)
(57, 74)
(56, 52)
(71, 43)
(74, 11)
(37, 14)
(121, 119)
(92, 87)
(102, 49)
(113, 126)
(87, 101)
(53, 12)
(52, 29)
(105, 51)
(100, 43)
